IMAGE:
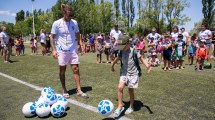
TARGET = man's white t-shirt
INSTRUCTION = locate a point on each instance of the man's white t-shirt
(175, 35)
(185, 35)
(3, 35)
(65, 35)
(205, 34)
(115, 33)
(155, 36)
(43, 38)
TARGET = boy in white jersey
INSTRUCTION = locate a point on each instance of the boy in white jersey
(129, 74)
(65, 31)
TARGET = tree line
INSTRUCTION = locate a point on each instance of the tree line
(100, 16)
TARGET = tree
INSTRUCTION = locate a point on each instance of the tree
(27, 14)
(173, 12)
(20, 16)
(132, 11)
(124, 9)
(208, 11)
(139, 5)
(9, 26)
(116, 6)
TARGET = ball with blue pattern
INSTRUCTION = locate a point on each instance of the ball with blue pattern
(39, 100)
(47, 90)
(105, 107)
(50, 98)
(29, 109)
(57, 110)
(43, 109)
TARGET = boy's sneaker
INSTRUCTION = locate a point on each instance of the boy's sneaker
(199, 70)
(169, 69)
(177, 68)
(129, 110)
(164, 68)
(117, 112)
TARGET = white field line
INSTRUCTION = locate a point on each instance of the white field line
(83, 105)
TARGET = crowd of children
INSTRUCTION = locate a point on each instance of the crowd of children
(172, 49)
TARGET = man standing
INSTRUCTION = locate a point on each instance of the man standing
(185, 38)
(116, 33)
(5, 45)
(65, 31)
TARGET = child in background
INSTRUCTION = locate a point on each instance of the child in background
(201, 55)
(167, 52)
(153, 60)
(180, 47)
(137, 46)
(191, 51)
(142, 46)
(32, 45)
(17, 44)
(114, 49)
(107, 47)
(173, 56)
(35, 45)
(22, 47)
(151, 49)
(129, 73)
(99, 49)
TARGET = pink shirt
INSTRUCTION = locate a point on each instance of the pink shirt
(142, 44)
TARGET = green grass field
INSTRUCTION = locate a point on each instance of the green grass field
(177, 94)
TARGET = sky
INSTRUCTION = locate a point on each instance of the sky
(9, 8)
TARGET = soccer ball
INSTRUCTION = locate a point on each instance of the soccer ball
(29, 109)
(63, 101)
(43, 110)
(59, 96)
(105, 107)
(50, 98)
(57, 109)
(39, 100)
(47, 90)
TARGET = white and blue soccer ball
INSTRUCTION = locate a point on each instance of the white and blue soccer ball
(43, 110)
(50, 98)
(39, 100)
(63, 102)
(105, 107)
(57, 109)
(29, 109)
(59, 96)
(47, 90)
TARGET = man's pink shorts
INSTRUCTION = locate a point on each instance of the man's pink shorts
(68, 58)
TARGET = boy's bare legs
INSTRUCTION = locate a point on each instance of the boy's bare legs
(120, 94)
(62, 78)
(131, 93)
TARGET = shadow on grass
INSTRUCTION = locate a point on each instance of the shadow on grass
(50, 115)
(12, 61)
(84, 89)
(137, 106)
(108, 119)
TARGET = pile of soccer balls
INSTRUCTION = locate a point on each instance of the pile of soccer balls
(46, 103)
